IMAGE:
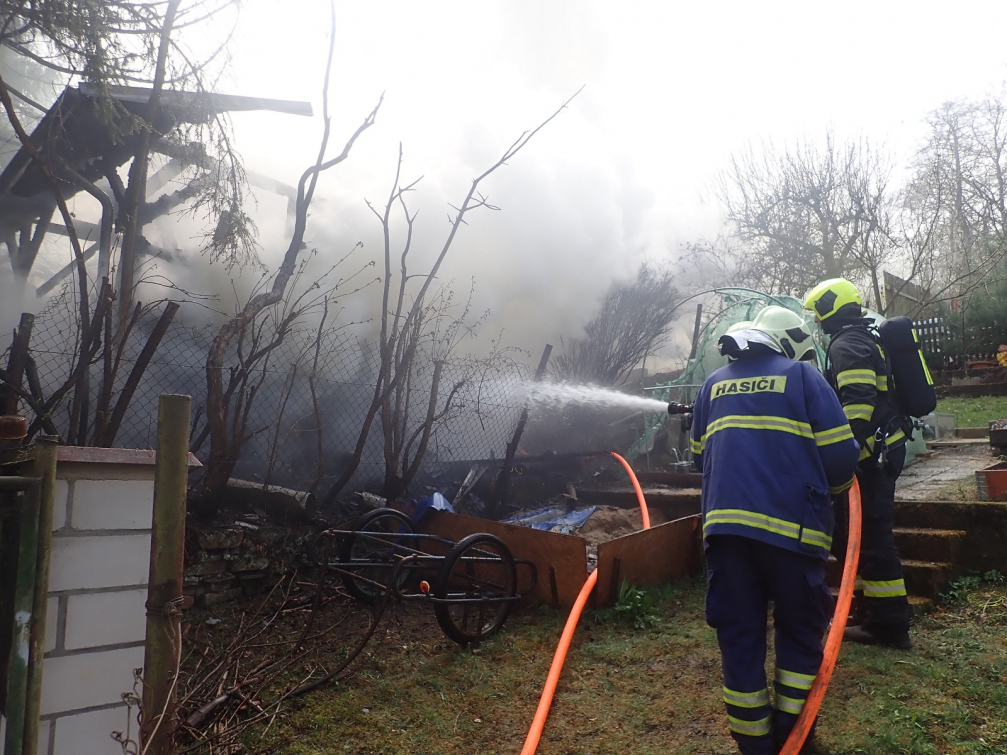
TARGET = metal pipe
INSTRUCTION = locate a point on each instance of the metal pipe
(500, 489)
(45, 469)
(9, 398)
(107, 218)
(164, 590)
(24, 593)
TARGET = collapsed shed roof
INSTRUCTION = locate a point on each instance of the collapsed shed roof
(78, 132)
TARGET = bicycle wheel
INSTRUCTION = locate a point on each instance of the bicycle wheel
(370, 554)
(474, 588)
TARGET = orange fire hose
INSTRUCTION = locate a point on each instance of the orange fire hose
(549, 691)
(807, 718)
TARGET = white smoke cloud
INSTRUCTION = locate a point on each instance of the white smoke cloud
(669, 93)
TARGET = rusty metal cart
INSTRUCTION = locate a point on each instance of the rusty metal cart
(472, 584)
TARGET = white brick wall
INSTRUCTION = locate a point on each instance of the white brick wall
(59, 505)
(87, 680)
(112, 504)
(90, 733)
(96, 619)
(51, 626)
(97, 561)
(105, 618)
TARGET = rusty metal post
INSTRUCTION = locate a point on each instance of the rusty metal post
(164, 591)
(45, 469)
(16, 736)
(9, 398)
(695, 330)
(503, 480)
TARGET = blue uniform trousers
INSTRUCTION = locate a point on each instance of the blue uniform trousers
(743, 576)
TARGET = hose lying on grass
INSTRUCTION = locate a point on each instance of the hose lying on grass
(545, 702)
(807, 718)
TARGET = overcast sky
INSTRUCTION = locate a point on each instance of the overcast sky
(670, 91)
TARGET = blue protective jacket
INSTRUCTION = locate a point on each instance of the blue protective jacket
(774, 445)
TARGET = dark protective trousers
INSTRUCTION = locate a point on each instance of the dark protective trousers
(743, 576)
(880, 579)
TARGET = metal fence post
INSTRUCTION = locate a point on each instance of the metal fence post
(45, 469)
(164, 591)
(15, 738)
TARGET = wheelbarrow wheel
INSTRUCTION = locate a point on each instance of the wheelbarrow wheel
(371, 552)
(475, 588)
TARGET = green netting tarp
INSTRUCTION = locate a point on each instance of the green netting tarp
(730, 306)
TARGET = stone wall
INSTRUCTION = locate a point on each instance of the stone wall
(229, 562)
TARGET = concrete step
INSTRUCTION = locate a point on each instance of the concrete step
(942, 515)
(924, 544)
(918, 605)
(972, 433)
(924, 579)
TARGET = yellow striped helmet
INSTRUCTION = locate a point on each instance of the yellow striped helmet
(828, 296)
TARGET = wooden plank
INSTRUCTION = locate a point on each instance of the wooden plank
(564, 555)
(648, 557)
(91, 455)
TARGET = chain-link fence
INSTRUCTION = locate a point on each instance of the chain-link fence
(300, 407)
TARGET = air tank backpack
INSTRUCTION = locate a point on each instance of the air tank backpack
(914, 387)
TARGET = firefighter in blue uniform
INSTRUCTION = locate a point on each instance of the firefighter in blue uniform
(857, 371)
(772, 442)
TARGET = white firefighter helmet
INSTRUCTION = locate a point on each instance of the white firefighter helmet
(789, 330)
(738, 326)
(740, 335)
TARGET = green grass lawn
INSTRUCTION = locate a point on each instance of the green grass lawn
(974, 412)
(645, 687)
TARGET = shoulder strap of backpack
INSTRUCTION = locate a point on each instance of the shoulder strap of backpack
(828, 372)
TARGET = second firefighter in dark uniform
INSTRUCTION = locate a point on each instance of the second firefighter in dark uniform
(857, 371)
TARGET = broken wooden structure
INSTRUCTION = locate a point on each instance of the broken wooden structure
(85, 142)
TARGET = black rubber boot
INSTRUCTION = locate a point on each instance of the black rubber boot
(876, 636)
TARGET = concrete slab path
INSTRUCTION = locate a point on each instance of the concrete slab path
(949, 462)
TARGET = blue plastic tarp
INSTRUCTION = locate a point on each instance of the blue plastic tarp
(554, 518)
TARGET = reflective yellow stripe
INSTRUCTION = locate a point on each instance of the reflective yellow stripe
(758, 728)
(840, 488)
(858, 584)
(867, 450)
(858, 411)
(695, 446)
(758, 422)
(854, 377)
(746, 699)
(751, 519)
(814, 537)
(930, 380)
(835, 435)
(794, 679)
(894, 588)
(769, 524)
(882, 382)
(789, 704)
